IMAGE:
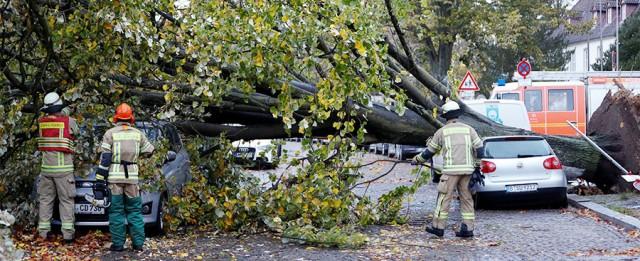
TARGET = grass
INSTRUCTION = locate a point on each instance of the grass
(626, 195)
(626, 211)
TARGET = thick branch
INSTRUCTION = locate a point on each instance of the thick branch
(424, 77)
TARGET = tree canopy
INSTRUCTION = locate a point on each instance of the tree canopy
(349, 71)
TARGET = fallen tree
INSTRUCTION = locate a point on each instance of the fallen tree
(265, 106)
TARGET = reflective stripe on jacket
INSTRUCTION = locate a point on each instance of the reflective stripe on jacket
(456, 142)
(127, 144)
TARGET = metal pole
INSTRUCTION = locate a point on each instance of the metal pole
(617, 39)
(601, 24)
(594, 145)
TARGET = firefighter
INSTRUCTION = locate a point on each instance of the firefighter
(121, 147)
(456, 141)
(56, 142)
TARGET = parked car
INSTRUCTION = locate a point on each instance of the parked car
(521, 170)
(403, 152)
(391, 150)
(176, 171)
(258, 153)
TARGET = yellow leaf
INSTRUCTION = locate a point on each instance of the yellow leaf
(344, 34)
(165, 87)
(52, 21)
(122, 67)
(335, 190)
(258, 59)
(316, 202)
(361, 50)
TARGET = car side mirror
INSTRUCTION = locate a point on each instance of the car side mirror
(171, 156)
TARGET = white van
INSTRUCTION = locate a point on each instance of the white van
(506, 112)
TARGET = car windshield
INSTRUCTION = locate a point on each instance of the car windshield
(505, 149)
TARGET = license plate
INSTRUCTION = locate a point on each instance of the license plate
(88, 209)
(522, 188)
(243, 155)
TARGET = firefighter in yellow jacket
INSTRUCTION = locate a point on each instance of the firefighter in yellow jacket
(456, 141)
(56, 142)
(121, 148)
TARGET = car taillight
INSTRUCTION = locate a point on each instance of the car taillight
(487, 167)
(552, 163)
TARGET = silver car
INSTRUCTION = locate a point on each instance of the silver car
(521, 170)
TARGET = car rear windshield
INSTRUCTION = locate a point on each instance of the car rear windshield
(516, 148)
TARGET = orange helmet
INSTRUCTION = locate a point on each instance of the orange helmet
(124, 112)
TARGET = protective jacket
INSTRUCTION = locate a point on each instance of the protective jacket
(56, 141)
(126, 144)
(456, 142)
(55, 134)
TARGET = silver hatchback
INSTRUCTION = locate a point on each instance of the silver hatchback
(521, 170)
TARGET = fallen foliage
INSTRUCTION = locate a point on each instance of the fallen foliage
(89, 246)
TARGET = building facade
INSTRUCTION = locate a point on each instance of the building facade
(605, 18)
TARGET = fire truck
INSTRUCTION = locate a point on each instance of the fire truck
(553, 98)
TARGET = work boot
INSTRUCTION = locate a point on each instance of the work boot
(137, 248)
(436, 231)
(115, 248)
(464, 231)
(45, 236)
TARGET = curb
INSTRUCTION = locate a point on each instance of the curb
(625, 221)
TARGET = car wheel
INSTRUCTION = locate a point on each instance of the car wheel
(563, 203)
(157, 228)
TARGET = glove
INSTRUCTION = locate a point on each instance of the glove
(476, 178)
(414, 160)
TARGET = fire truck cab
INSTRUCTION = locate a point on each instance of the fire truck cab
(549, 105)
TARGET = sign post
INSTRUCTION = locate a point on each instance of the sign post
(468, 86)
(523, 68)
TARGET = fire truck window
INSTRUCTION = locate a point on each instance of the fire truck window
(533, 100)
(561, 100)
(511, 96)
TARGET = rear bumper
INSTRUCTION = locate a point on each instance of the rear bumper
(542, 195)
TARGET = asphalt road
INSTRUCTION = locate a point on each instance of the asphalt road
(526, 234)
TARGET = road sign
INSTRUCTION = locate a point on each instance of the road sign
(468, 83)
(524, 68)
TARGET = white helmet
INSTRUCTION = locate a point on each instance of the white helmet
(51, 99)
(450, 106)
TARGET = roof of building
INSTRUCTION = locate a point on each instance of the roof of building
(582, 12)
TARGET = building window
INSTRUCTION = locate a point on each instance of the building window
(533, 100)
(609, 15)
(586, 58)
(572, 63)
(560, 100)
(600, 52)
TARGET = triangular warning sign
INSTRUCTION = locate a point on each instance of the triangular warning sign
(468, 83)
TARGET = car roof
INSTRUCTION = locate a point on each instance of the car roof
(515, 137)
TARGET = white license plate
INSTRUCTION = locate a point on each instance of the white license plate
(88, 209)
(522, 188)
(243, 155)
